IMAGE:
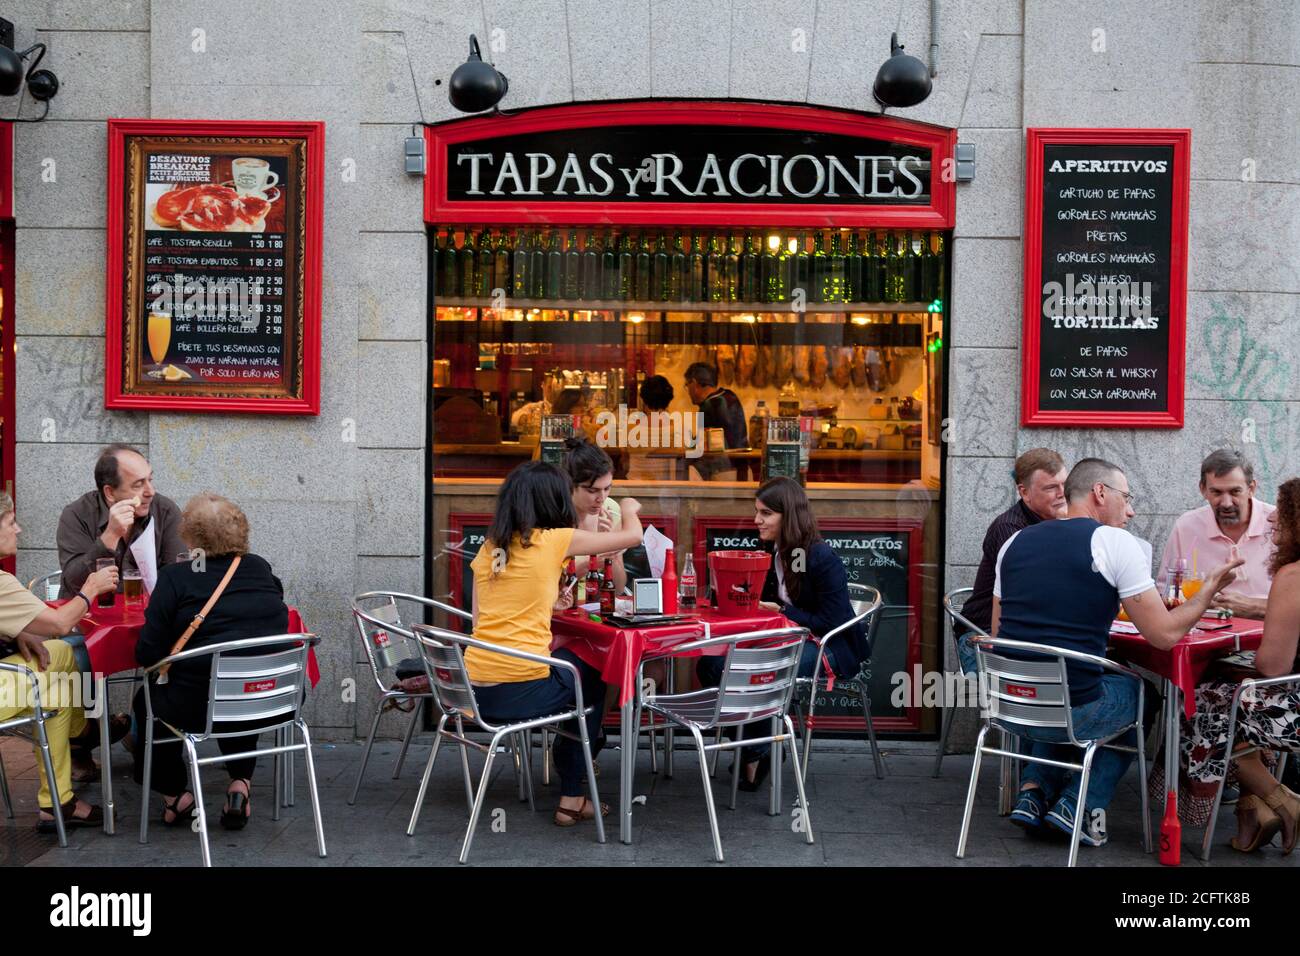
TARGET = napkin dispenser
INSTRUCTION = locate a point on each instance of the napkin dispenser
(647, 596)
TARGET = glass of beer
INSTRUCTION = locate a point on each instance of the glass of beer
(159, 334)
(132, 588)
(105, 599)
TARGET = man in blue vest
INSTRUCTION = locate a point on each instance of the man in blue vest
(1061, 583)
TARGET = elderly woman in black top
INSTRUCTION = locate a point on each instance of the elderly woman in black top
(252, 605)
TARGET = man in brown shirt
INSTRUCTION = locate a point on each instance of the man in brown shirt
(103, 523)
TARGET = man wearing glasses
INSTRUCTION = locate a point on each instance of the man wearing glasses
(1061, 583)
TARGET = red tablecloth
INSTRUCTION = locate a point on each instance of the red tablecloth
(618, 651)
(1186, 661)
(111, 635)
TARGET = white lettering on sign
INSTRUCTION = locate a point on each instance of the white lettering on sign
(803, 175)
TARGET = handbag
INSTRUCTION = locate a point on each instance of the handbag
(198, 619)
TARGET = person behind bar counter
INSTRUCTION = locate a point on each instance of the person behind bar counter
(516, 573)
(721, 408)
(808, 584)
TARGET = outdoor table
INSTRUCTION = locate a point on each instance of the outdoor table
(109, 636)
(617, 652)
(1181, 668)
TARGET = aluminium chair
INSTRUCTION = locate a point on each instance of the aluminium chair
(16, 727)
(757, 683)
(953, 602)
(866, 602)
(383, 621)
(1246, 686)
(443, 653)
(253, 679)
(1034, 694)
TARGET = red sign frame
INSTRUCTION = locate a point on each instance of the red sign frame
(939, 214)
(115, 395)
(915, 543)
(1030, 391)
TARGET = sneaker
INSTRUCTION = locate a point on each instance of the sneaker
(1028, 814)
(1093, 832)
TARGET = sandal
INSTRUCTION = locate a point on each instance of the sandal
(1287, 806)
(94, 818)
(564, 817)
(179, 817)
(1252, 812)
(239, 806)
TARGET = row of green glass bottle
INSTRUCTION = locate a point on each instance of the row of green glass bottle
(647, 266)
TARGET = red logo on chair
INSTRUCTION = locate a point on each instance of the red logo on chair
(1020, 690)
(766, 678)
(257, 686)
(380, 638)
(444, 675)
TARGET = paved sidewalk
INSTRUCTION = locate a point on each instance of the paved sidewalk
(908, 818)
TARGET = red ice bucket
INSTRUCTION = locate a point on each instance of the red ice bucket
(738, 580)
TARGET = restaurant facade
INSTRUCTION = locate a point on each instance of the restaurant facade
(666, 184)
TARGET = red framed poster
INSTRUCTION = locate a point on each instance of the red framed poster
(214, 266)
(8, 384)
(695, 163)
(1105, 277)
(884, 553)
(467, 532)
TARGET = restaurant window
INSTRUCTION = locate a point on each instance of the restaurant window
(826, 321)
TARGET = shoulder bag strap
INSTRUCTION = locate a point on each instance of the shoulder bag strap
(198, 619)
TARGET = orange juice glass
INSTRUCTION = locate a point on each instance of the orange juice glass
(1191, 586)
(159, 335)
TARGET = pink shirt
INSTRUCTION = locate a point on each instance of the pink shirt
(1199, 530)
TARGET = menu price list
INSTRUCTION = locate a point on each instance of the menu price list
(1106, 259)
(225, 296)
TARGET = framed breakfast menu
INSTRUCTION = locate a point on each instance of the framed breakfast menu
(214, 266)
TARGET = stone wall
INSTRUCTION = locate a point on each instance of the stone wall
(336, 516)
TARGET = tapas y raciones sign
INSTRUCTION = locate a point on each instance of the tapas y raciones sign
(214, 266)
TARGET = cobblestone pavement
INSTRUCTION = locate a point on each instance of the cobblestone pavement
(908, 818)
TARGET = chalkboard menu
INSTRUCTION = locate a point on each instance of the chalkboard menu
(875, 553)
(1105, 277)
(215, 255)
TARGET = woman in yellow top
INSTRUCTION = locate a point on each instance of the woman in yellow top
(516, 576)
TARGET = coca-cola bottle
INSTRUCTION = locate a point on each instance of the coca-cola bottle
(686, 585)
(593, 580)
(607, 589)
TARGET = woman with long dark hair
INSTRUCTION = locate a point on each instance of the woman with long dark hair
(1268, 717)
(516, 573)
(808, 584)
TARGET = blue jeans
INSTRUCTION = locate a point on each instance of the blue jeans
(522, 700)
(966, 653)
(1113, 708)
(709, 672)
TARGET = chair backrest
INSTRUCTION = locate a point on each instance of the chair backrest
(759, 678)
(1024, 693)
(866, 602)
(386, 638)
(47, 586)
(258, 679)
(444, 659)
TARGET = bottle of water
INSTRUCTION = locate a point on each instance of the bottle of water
(686, 585)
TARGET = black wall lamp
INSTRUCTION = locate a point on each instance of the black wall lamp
(476, 86)
(902, 80)
(42, 85)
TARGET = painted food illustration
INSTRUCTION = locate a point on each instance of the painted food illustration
(211, 208)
